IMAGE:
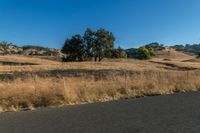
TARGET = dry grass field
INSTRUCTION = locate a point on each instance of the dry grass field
(28, 83)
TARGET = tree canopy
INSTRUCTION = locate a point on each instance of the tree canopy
(74, 49)
(92, 45)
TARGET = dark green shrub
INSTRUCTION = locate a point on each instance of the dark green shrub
(145, 53)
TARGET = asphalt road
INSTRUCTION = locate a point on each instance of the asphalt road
(178, 113)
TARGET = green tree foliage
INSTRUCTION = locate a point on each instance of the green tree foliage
(141, 53)
(155, 46)
(145, 53)
(34, 47)
(90, 42)
(93, 45)
(74, 49)
(99, 43)
(152, 52)
(104, 43)
(131, 53)
(119, 53)
(178, 47)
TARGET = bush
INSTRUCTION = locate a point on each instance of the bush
(118, 53)
(155, 46)
(145, 53)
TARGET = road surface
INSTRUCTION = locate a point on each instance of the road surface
(177, 113)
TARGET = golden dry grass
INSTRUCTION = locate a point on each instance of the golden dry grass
(173, 55)
(20, 58)
(42, 92)
(150, 78)
(107, 65)
(129, 65)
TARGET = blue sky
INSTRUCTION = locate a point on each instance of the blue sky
(133, 22)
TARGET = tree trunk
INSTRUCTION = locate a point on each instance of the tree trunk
(95, 59)
(100, 58)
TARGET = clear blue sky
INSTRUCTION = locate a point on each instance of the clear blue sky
(133, 22)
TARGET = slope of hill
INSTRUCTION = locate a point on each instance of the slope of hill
(172, 54)
(10, 49)
(51, 83)
(194, 48)
(193, 60)
(163, 53)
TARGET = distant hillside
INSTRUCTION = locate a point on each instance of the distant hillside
(172, 54)
(161, 51)
(165, 52)
(194, 48)
(133, 52)
(10, 49)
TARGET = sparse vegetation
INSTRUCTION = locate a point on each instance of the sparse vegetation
(36, 92)
(144, 52)
(51, 83)
(155, 46)
(194, 48)
(5, 44)
(28, 50)
(31, 81)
